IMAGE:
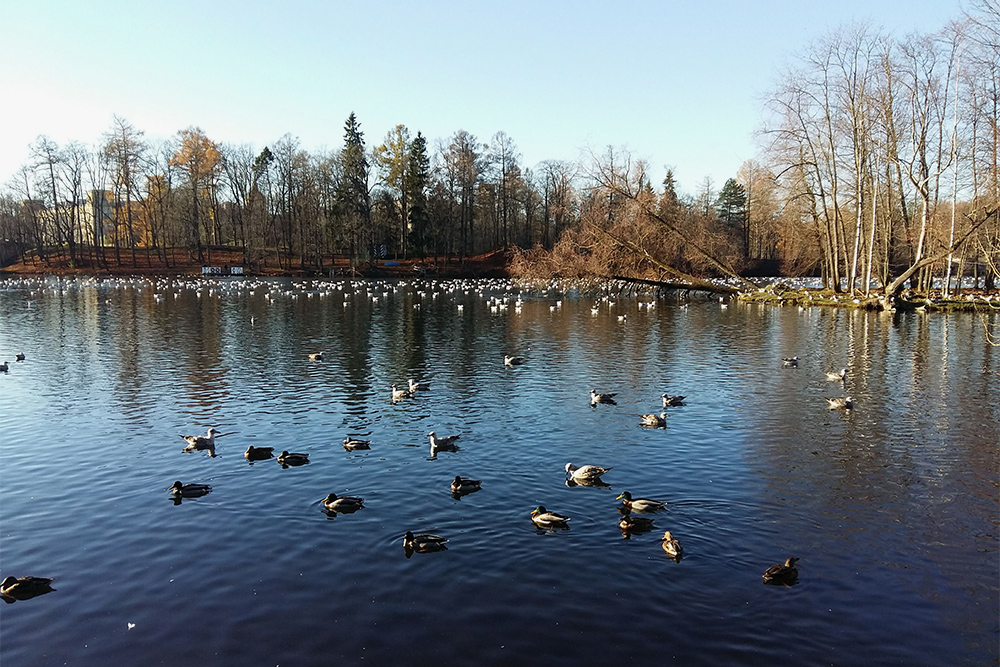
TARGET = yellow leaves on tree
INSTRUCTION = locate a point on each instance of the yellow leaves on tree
(198, 156)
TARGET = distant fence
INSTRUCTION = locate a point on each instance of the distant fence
(222, 270)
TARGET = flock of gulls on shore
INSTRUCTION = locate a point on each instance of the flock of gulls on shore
(23, 588)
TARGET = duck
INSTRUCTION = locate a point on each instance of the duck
(350, 444)
(19, 356)
(25, 588)
(3, 367)
(659, 420)
(782, 573)
(335, 503)
(672, 400)
(258, 453)
(400, 394)
(601, 398)
(837, 376)
(585, 473)
(287, 458)
(200, 442)
(423, 542)
(465, 485)
(512, 361)
(315, 356)
(671, 546)
(443, 444)
(840, 403)
(792, 362)
(418, 386)
(190, 490)
(641, 504)
(631, 523)
(543, 518)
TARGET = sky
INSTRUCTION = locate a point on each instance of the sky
(679, 84)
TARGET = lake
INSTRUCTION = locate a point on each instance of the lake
(891, 507)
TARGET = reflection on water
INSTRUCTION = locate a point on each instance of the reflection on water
(891, 507)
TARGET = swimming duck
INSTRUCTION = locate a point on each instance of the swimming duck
(423, 542)
(400, 394)
(840, 403)
(418, 386)
(782, 573)
(350, 444)
(585, 473)
(200, 442)
(837, 376)
(335, 503)
(641, 504)
(19, 356)
(315, 356)
(512, 361)
(190, 490)
(658, 421)
(465, 485)
(443, 444)
(25, 588)
(671, 400)
(287, 458)
(601, 398)
(671, 546)
(3, 367)
(258, 453)
(543, 518)
(635, 524)
(790, 361)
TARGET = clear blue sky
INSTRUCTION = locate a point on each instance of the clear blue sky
(676, 83)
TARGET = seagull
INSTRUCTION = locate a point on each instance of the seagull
(840, 403)
(512, 361)
(602, 398)
(671, 400)
(200, 442)
(585, 473)
(315, 356)
(418, 386)
(400, 394)
(790, 361)
(443, 444)
(659, 420)
(835, 376)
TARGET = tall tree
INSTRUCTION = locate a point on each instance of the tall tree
(199, 159)
(355, 194)
(392, 157)
(416, 181)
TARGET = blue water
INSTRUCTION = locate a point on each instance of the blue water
(892, 507)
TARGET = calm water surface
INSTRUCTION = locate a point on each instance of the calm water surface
(892, 507)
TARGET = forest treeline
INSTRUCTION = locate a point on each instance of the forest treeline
(878, 165)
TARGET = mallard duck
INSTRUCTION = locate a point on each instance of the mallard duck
(3, 367)
(658, 421)
(465, 485)
(641, 504)
(423, 542)
(19, 356)
(601, 398)
(350, 444)
(782, 573)
(837, 376)
(200, 442)
(512, 361)
(315, 356)
(335, 503)
(287, 458)
(190, 490)
(543, 518)
(400, 394)
(418, 386)
(635, 524)
(258, 453)
(671, 400)
(840, 403)
(670, 545)
(790, 361)
(585, 473)
(444, 443)
(25, 588)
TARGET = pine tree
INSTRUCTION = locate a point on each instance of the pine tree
(415, 183)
